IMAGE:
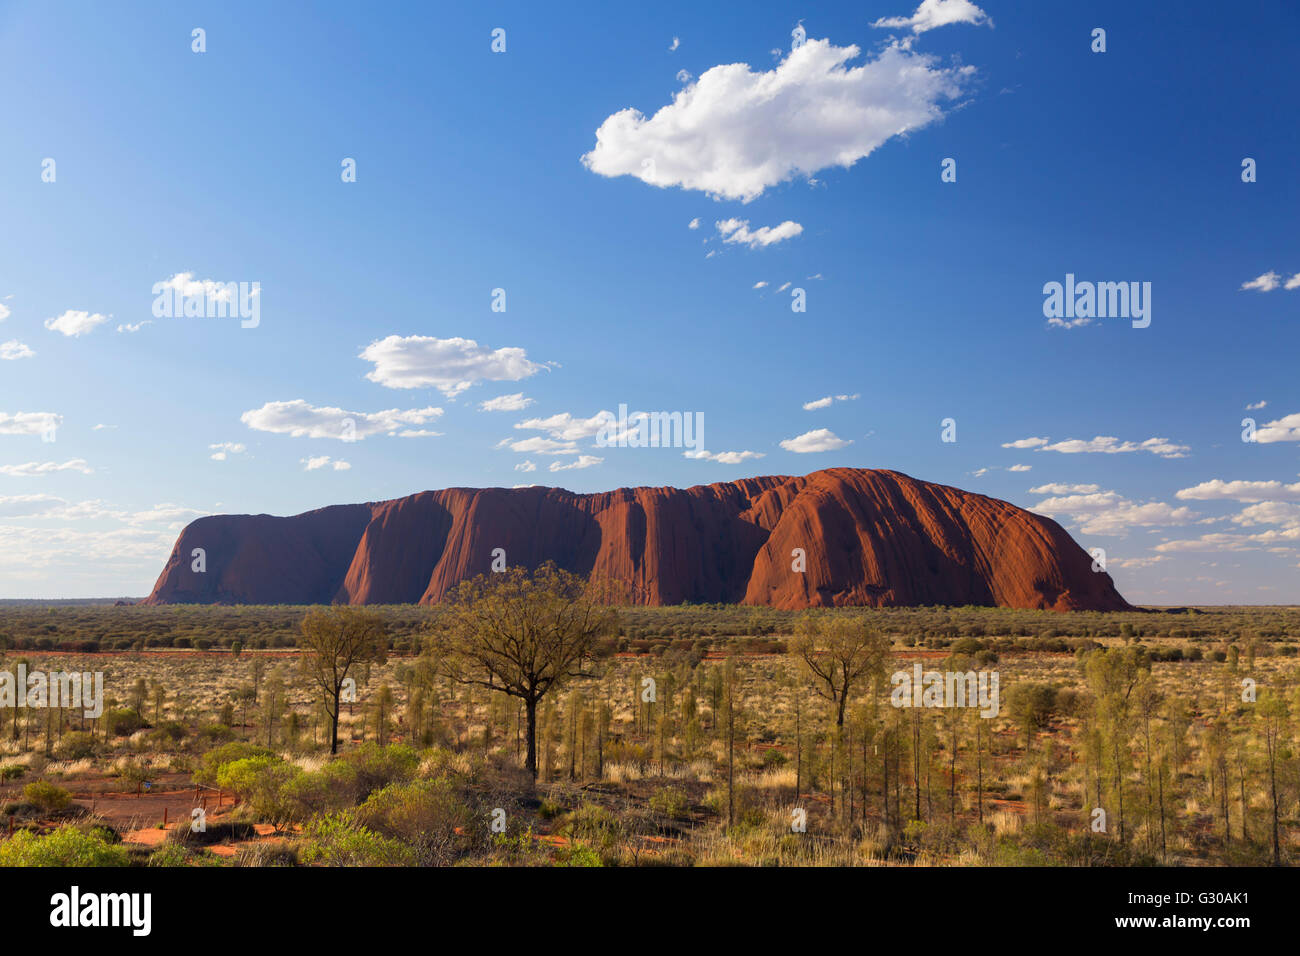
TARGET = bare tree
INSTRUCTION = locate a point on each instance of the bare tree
(838, 653)
(522, 634)
(333, 641)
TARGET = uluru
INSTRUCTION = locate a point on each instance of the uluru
(862, 536)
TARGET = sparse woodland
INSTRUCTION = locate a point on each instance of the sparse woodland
(690, 735)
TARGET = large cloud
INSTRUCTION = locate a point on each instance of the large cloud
(449, 365)
(301, 420)
(734, 133)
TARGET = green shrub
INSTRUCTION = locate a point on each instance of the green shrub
(377, 767)
(337, 840)
(76, 745)
(428, 816)
(672, 802)
(47, 796)
(211, 762)
(66, 846)
(260, 783)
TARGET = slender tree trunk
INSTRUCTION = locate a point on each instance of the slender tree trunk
(530, 735)
(1272, 779)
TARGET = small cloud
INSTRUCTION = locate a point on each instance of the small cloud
(324, 461)
(1069, 323)
(932, 14)
(684, 76)
(99, 428)
(1020, 468)
(1293, 282)
(828, 400)
(819, 439)
(13, 349)
(4, 312)
(1056, 488)
(29, 423)
(674, 45)
(724, 457)
(738, 231)
(1256, 406)
(222, 450)
(136, 327)
(694, 223)
(299, 419)
(506, 403)
(525, 466)
(761, 284)
(537, 445)
(1264, 283)
(75, 324)
(449, 365)
(33, 468)
(582, 461)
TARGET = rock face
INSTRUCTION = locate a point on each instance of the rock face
(868, 537)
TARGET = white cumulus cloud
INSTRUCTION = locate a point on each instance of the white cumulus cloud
(1286, 428)
(449, 365)
(1102, 444)
(29, 423)
(506, 403)
(819, 439)
(324, 461)
(75, 324)
(33, 468)
(734, 132)
(582, 461)
(724, 457)
(737, 230)
(932, 14)
(223, 450)
(301, 420)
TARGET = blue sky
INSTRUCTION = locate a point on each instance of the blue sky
(924, 299)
